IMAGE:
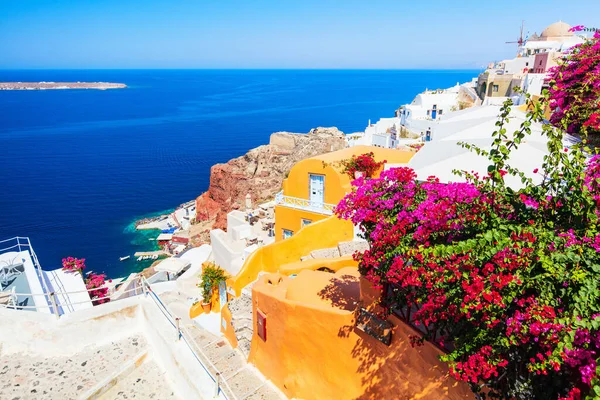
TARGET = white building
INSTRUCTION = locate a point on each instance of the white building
(24, 285)
(246, 232)
(431, 105)
(414, 120)
(383, 133)
(444, 154)
(534, 56)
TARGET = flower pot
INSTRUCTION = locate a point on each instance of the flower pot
(206, 307)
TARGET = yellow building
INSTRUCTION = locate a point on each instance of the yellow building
(316, 185)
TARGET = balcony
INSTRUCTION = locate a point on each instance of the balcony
(304, 204)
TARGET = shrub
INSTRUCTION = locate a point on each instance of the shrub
(97, 283)
(364, 163)
(72, 264)
(212, 276)
(575, 88)
(506, 280)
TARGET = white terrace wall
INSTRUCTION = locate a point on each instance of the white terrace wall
(44, 335)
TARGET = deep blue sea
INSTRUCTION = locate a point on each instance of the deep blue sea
(77, 167)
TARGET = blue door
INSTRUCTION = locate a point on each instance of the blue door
(433, 114)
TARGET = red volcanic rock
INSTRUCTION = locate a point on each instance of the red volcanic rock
(260, 172)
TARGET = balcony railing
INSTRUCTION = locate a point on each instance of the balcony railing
(304, 204)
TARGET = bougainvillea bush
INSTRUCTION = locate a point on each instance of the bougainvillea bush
(95, 283)
(575, 88)
(72, 264)
(364, 163)
(507, 280)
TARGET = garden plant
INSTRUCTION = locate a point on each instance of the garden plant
(505, 279)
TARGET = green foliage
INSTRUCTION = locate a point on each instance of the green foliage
(212, 276)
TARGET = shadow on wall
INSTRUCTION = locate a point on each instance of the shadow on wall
(339, 293)
(314, 349)
(319, 235)
(399, 370)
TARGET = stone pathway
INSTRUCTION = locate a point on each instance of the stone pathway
(241, 319)
(24, 376)
(245, 382)
(147, 381)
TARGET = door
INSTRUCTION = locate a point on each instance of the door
(433, 114)
(317, 190)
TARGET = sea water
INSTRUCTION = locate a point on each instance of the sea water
(78, 167)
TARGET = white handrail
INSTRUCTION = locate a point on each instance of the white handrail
(194, 348)
(134, 289)
(304, 204)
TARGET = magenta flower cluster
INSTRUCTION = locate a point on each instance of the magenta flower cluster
(509, 268)
(575, 88)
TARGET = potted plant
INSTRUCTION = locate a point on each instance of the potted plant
(212, 275)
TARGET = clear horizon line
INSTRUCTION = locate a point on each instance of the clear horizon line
(243, 69)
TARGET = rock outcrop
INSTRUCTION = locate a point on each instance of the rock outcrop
(260, 172)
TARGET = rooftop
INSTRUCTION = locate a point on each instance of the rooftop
(557, 29)
(390, 155)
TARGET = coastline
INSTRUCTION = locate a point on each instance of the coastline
(60, 85)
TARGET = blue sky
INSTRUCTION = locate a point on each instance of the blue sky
(272, 33)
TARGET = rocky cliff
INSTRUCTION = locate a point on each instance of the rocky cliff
(260, 172)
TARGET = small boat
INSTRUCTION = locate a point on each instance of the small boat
(139, 258)
(124, 258)
(155, 257)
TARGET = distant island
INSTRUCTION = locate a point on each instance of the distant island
(60, 85)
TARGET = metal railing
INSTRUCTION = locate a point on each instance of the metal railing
(304, 204)
(183, 334)
(19, 244)
(55, 305)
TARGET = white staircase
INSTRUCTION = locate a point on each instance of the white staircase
(147, 381)
(240, 379)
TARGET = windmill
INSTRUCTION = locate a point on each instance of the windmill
(521, 41)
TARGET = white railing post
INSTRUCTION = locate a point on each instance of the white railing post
(177, 320)
(217, 385)
(54, 304)
(143, 283)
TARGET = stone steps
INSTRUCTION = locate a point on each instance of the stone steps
(241, 319)
(342, 249)
(147, 381)
(242, 379)
(84, 374)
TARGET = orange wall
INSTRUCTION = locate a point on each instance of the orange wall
(334, 264)
(291, 219)
(228, 331)
(323, 234)
(297, 182)
(314, 352)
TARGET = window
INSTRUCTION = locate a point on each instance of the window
(435, 106)
(495, 88)
(287, 233)
(440, 112)
(305, 222)
(428, 113)
(527, 64)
